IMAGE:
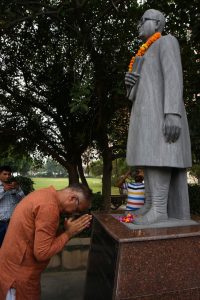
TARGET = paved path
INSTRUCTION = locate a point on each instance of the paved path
(63, 285)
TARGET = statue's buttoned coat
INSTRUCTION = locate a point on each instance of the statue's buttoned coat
(160, 92)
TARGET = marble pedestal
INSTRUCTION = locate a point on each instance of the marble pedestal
(143, 264)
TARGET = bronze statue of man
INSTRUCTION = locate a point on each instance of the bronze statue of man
(158, 138)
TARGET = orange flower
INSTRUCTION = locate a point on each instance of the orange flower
(144, 48)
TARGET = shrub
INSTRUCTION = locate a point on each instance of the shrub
(194, 195)
(26, 184)
(97, 202)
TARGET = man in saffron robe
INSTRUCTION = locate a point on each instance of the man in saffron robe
(32, 238)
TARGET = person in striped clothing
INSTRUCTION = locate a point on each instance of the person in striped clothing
(136, 193)
(134, 189)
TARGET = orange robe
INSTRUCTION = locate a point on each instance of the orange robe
(29, 244)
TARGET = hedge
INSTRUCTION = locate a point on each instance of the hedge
(194, 195)
(25, 183)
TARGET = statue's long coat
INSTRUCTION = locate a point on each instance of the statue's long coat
(160, 92)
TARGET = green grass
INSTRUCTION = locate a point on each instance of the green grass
(59, 183)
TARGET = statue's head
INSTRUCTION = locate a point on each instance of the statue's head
(152, 21)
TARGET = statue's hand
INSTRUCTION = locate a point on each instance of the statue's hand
(130, 79)
(172, 127)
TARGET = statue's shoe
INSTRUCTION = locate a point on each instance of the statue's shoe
(151, 217)
(143, 210)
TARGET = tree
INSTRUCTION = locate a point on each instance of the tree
(63, 64)
(61, 77)
(96, 167)
(38, 85)
(53, 168)
(12, 156)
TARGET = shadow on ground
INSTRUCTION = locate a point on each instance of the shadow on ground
(67, 285)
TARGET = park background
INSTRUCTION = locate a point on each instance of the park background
(59, 183)
(62, 92)
(63, 111)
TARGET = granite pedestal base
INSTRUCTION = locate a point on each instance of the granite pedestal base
(143, 264)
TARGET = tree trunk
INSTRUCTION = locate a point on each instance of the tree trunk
(73, 173)
(81, 173)
(106, 180)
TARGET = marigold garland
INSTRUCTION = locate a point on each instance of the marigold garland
(144, 48)
(129, 218)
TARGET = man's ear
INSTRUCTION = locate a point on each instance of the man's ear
(72, 198)
(69, 196)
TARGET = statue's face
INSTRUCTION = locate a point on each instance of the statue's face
(147, 25)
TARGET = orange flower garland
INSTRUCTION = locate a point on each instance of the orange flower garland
(144, 48)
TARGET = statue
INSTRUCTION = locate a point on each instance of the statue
(158, 138)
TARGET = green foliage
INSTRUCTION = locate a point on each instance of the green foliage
(120, 167)
(194, 195)
(97, 202)
(195, 170)
(25, 183)
(62, 75)
(96, 168)
(80, 98)
(51, 168)
(18, 162)
(118, 131)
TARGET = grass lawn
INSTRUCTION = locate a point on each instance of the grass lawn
(59, 183)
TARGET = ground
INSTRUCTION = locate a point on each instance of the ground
(63, 285)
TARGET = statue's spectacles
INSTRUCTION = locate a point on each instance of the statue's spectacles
(143, 20)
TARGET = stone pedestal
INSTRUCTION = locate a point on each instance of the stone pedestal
(143, 264)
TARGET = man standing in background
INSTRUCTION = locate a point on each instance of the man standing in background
(10, 195)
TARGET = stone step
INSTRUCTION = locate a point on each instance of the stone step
(74, 255)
